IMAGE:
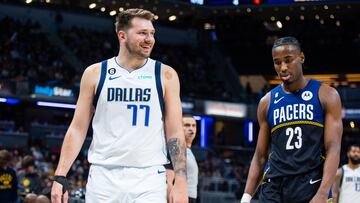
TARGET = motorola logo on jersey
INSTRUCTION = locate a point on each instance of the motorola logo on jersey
(307, 95)
(128, 94)
(293, 112)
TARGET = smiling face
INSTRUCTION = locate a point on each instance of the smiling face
(138, 39)
(288, 61)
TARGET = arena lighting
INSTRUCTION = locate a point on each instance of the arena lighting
(112, 13)
(287, 18)
(93, 5)
(251, 132)
(206, 124)
(248, 10)
(338, 23)
(235, 2)
(28, 1)
(202, 133)
(332, 16)
(279, 24)
(47, 1)
(102, 9)
(121, 9)
(317, 17)
(272, 18)
(156, 17)
(55, 104)
(257, 2)
(352, 124)
(9, 100)
(172, 18)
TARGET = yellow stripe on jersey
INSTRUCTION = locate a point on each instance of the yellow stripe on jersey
(297, 123)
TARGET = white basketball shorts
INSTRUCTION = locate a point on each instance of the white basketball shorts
(126, 185)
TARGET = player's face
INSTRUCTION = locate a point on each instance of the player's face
(140, 39)
(189, 125)
(288, 62)
(354, 155)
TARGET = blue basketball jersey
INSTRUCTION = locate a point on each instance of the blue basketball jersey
(296, 121)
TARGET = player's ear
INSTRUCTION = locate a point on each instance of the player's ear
(302, 57)
(121, 35)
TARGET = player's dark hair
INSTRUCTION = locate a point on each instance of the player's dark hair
(352, 145)
(287, 41)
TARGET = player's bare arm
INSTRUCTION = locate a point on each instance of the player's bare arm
(76, 133)
(262, 148)
(336, 186)
(174, 131)
(331, 103)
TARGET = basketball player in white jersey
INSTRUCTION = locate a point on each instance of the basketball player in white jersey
(189, 125)
(346, 187)
(135, 105)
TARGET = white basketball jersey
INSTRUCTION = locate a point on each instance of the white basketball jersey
(128, 124)
(350, 187)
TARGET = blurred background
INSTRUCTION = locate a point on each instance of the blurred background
(221, 50)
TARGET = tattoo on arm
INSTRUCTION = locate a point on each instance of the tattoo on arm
(177, 153)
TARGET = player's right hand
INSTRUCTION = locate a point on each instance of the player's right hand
(57, 195)
(179, 194)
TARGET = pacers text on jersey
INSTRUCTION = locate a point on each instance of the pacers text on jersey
(293, 112)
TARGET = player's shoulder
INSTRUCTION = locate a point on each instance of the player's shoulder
(166, 67)
(327, 93)
(96, 67)
(325, 88)
(264, 102)
(168, 72)
(92, 70)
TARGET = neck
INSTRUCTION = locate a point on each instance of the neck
(188, 145)
(296, 85)
(129, 61)
(353, 166)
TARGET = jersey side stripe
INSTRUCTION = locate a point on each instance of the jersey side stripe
(101, 82)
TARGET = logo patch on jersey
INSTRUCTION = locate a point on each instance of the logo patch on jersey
(314, 181)
(307, 95)
(112, 71)
(113, 78)
(142, 77)
(160, 172)
(278, 100)
(276, 94)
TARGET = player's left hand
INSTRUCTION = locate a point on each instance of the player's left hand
(319, 198)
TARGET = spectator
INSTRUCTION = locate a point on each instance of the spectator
(8, 179)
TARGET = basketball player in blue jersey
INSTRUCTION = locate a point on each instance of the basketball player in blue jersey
(300, 134)
(135, 108)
